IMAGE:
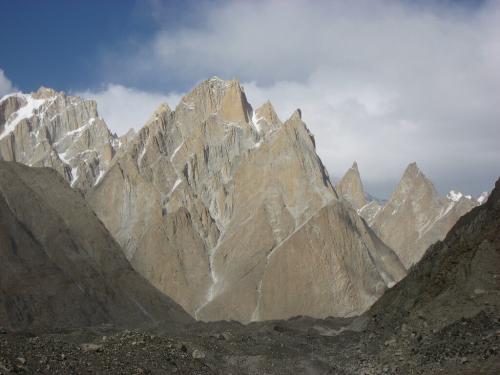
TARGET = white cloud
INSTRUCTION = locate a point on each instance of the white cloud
(383, 82)
(124, 108)
(6, 86)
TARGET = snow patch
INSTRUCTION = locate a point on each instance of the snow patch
(176, 183)
(256, 122)
(456, 196)
(81, 128)
(99, 177)
(175, 151)
(483, 197)
(25, 112)
(74, 176)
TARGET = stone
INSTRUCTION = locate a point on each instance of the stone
(89, 347)
(198, 354)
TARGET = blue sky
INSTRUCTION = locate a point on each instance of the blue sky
(67, 39)
(383, 82)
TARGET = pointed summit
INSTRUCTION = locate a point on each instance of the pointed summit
(266, 112)
(411, 170)
(351, 188)
(416, 216)
(216, 96)
(296, 115)
(44, 93)
(234, 106)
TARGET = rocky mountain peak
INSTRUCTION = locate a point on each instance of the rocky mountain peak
(296, 116)
(411, 171)
(266, 113)
(416, 215)
(52, 129)
(202, 199)
(216, 96)
(234, 106)
(351, 188)
(44, 93)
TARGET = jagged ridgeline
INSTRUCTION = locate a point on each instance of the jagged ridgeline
(224, 208)
(414, 217)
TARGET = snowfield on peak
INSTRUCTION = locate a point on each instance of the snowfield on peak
(456, 196)
(25, 112)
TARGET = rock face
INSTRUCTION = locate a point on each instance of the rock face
(50, 129)
(225, 208)
(351, 189)
(415, 215)
(457, 278)
(60, 266)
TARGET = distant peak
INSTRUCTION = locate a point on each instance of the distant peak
(163, 107)
(44, 93)
(350, 187)
(412, 170)
(215, 78)
(161, 111)
(266, 111)
(296, 115)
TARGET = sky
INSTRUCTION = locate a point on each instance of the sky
(382, 82)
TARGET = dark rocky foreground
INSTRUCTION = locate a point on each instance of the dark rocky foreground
(300, 346)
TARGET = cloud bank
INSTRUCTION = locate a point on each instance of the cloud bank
(126, 108)
(381, 82)
(6, 86)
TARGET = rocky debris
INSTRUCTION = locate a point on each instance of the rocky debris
(60, 267)
(203, 197)
(198, 354)
(469, 346)
(92, 347)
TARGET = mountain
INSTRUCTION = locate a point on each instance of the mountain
(415, 216)
(51, 129)
(350, 187)
(227, 209)
(60, 267)
(457, 278)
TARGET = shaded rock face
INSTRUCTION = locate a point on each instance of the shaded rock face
(50, 129)
(415, 215)
(457, 277)
(203, 198)
(60, 266)
(351, 189)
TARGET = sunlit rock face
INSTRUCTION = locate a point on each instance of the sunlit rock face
(228, 209)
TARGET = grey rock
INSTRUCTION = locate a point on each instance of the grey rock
(60, 266)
